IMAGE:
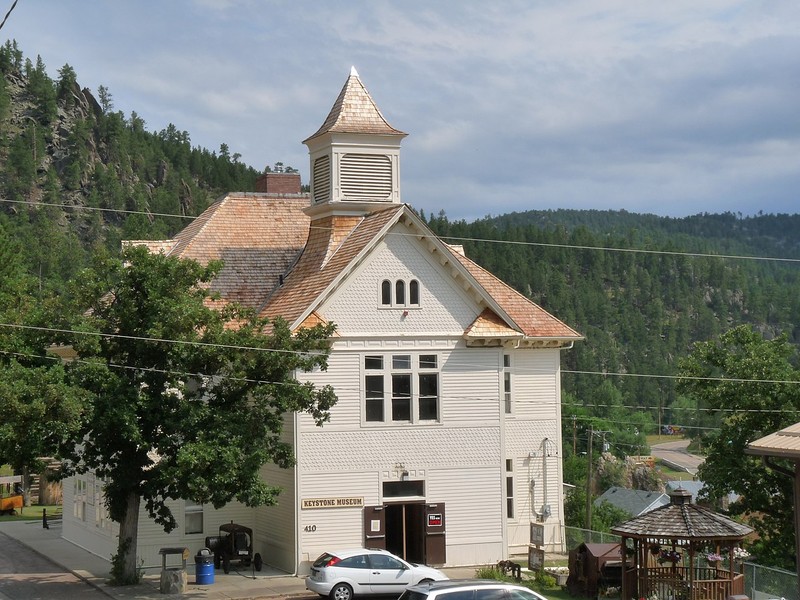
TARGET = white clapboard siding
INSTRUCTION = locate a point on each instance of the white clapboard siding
(274, 530)
(344, 375)
(474, 522)
(85, 533)
(470, 388)
(152, 536)
(535, 383)
(324, 528)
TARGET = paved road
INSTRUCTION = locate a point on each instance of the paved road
(675, 453)
(26, 575)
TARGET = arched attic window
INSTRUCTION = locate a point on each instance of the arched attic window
(386, 292)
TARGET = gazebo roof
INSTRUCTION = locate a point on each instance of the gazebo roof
(680, 519)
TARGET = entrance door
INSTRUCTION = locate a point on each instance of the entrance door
(405, 531)
(435, 538)
(414, 531)
(374, 528)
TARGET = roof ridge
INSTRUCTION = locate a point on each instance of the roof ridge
(354, 111)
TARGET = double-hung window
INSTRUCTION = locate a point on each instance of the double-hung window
(507, 383)
(401, 388)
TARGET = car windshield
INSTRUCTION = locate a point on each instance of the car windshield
(412, 595)
(323, 559)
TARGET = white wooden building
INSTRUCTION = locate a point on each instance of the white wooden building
(445, 443)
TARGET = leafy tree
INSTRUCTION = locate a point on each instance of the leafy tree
(40, 410)
(606, 515)
(751, 383)
(184, 405)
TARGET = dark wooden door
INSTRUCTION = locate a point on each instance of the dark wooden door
(435, 534)
(375, 527)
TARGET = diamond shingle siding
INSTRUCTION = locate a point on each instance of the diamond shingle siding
(356, 309)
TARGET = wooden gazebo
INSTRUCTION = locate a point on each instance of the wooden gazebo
(676, 552)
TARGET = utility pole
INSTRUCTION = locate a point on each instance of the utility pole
(589, 483)
(574, 434)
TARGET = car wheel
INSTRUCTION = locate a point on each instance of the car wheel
(341, 591)
(257, 562)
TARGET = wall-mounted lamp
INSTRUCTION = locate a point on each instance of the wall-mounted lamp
(404, 476)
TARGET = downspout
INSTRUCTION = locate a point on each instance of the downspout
(296, 511)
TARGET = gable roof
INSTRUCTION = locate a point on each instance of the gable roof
(257, 236)
(530, 319)
(634, 502)
(355, 112)
(281, 263)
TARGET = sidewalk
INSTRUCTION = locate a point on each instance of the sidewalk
(268, 583)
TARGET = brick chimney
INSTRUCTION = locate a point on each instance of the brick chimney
(278, 183)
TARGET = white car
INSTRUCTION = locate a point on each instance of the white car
(470, 589)
(341, 575)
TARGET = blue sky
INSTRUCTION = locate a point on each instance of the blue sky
(672, 108)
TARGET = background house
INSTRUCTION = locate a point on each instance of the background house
(445, 444)
(633, 502)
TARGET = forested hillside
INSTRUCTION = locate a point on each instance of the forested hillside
(642, 289)
(77, 176)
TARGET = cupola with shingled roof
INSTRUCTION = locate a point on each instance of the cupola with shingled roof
(355, 155)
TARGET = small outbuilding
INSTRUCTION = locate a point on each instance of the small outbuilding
(594, 567)
(677, 551)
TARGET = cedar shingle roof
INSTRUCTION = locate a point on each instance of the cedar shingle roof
(333, 244)
(531, 319)
(680, 519)
(265, 238)
(355, 112)
(257, 236)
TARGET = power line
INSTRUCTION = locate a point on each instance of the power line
(8, 14)
(159, 340)
(97, 208)
(452, 238)
(395, 351)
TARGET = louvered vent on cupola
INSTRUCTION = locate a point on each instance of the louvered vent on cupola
(366, 176)
(322, 179)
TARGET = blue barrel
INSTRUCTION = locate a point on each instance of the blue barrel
(204, 567)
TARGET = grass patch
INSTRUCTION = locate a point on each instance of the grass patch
(538, 581)
(33, 513)
(671, 474)
(660, 439)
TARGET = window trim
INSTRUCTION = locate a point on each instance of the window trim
(509, 491)
(507, 383)
(401, 368)
(193, 509)
(389, 290)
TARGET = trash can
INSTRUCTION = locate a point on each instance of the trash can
(204, 567)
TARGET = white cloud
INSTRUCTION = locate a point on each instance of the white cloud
(676, 107)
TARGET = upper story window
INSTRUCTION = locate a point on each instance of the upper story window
(400, 293)
(401, 388)
(507, 383)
